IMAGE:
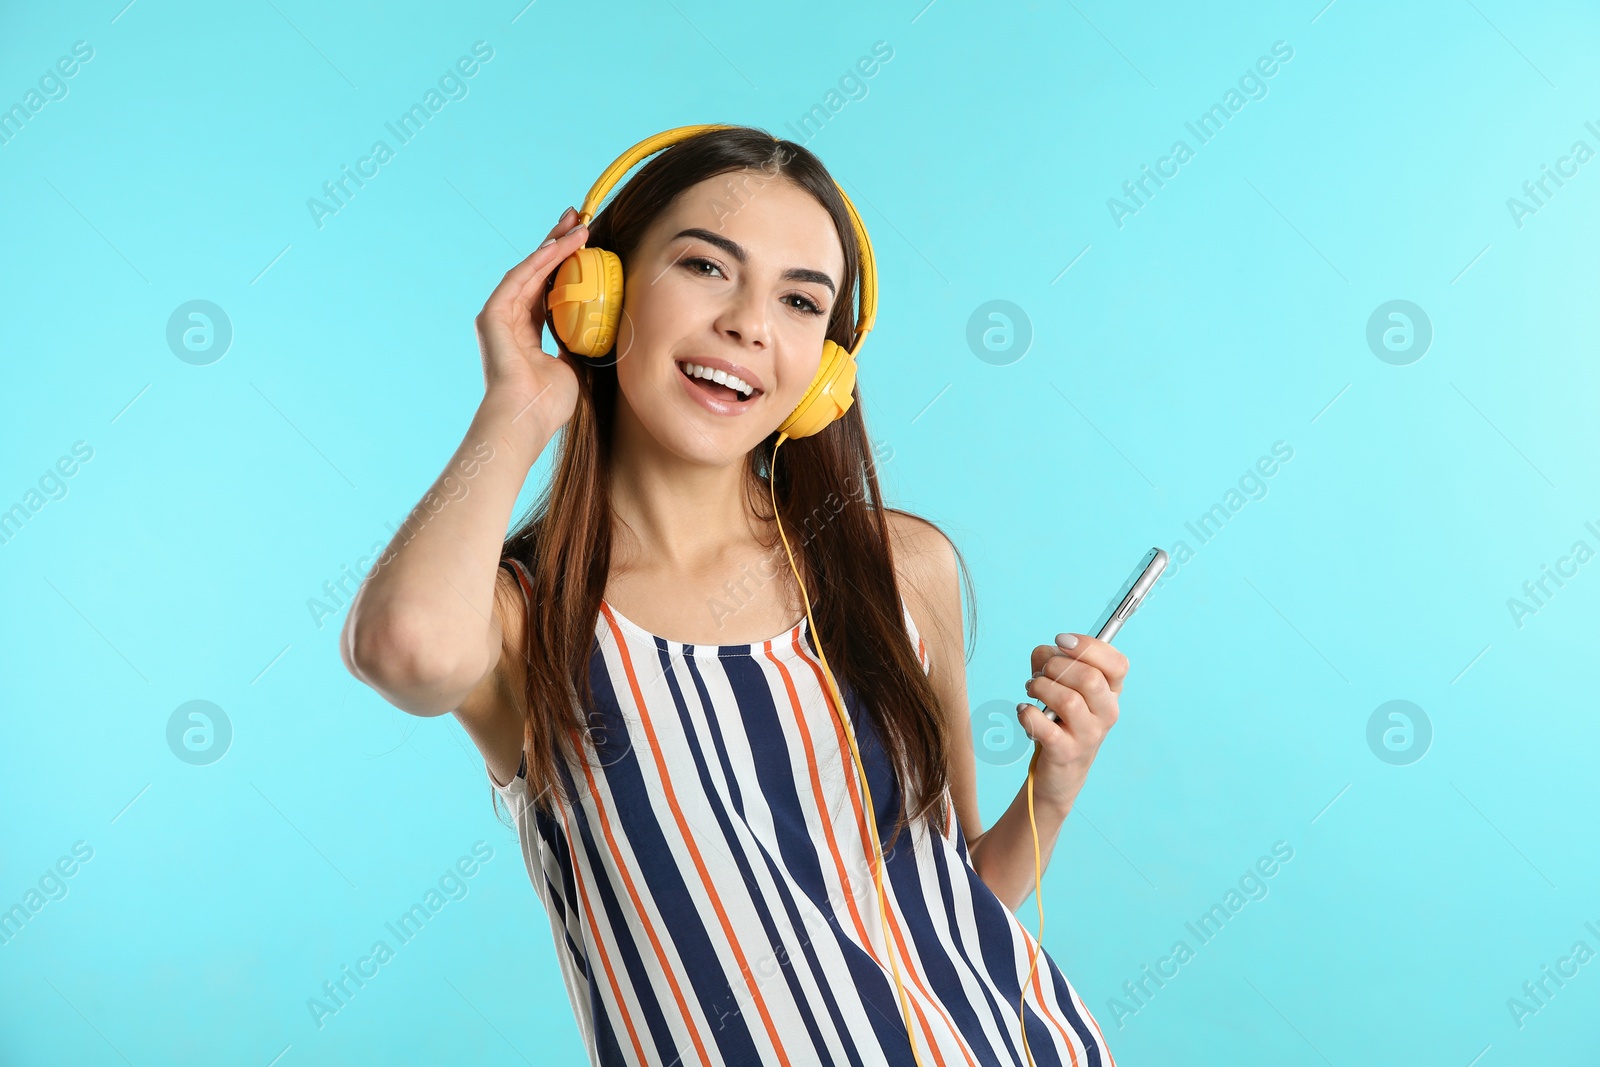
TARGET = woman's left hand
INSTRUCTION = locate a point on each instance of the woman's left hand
(1080, 685)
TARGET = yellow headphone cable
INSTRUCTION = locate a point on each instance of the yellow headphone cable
(872, 822)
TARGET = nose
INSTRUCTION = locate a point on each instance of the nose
(744, 318)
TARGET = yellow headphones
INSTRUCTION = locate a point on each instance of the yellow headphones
(584, 308)
(584, 303)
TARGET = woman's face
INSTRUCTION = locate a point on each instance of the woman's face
(742, 269)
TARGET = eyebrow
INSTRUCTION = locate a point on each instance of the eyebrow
(736, 250)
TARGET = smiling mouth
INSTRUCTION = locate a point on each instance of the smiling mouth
(716, 389)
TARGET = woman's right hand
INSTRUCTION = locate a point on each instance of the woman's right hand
(509, 333)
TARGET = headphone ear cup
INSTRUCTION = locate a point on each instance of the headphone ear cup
(829, 396)
(585, 301)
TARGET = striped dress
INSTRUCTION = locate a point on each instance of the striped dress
(708, 889)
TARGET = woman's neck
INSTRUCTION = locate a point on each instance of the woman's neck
(680, 518)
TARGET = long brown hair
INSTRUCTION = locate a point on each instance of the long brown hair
(827, 492)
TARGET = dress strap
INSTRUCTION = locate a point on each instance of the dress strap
(917, 642)
(520, 573)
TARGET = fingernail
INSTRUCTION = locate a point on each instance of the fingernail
(548, 242)
(574, 230)
(1066, 640)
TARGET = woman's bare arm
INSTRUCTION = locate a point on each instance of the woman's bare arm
(424, 629)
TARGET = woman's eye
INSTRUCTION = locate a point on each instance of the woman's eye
(693, 263)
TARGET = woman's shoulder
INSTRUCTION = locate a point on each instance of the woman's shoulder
(926, 571)
(920, 549)
(908, 526)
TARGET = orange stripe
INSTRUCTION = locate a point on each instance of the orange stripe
(638, 906)
(521, 576)
(816, 788)
(688, 838)
(1077, 1003)
(861, 826)
(1103, 1046)
(599, 944)
(906, 952)
(923, 1020)
(577, 876)
(828, 821)
(1039, 993)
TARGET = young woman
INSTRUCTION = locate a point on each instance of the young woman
(690, 807)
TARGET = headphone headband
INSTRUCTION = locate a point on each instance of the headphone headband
(867, 312)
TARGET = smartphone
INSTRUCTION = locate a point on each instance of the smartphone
(1126, 600)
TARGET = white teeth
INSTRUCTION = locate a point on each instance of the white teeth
(721, 377)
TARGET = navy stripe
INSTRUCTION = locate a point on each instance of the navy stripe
(607, 1047)
(571, 947)
(636, 975)
(1005, 1021)
(633, 809)
(1058, 982)
(555, 842)
(784, 896)
(943, 981)
(904, 876)
(995, 935)
(792, 819)
(730, 840)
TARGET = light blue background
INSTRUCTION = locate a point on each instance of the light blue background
(1228, 314)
